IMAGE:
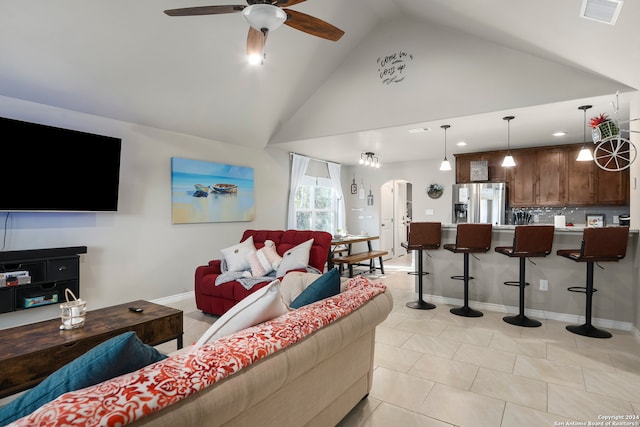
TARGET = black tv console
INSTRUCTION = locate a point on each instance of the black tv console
(52, 270)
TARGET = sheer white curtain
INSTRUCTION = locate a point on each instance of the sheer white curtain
(336, 184)
(298, 168)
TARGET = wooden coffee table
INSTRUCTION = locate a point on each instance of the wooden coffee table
(29, 353)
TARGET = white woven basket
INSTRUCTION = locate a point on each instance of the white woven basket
(73, 311)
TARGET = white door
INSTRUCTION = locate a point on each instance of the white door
(386, 219)
(395, 197)
(400, 217)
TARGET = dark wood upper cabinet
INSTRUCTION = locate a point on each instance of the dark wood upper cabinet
(463, 168)
(588, 184)
(522, 178)
(551, 166)
(494, 162)
(550, 176)
(538, 178)
(580, 179)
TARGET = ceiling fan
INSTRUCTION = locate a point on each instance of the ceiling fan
(264, 16)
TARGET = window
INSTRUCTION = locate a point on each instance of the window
(316, 201)
(316, 205)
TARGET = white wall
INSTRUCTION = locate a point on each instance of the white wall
(420, 173)
(137, 253)
(447, 73)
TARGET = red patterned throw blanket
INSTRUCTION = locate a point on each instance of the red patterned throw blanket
(130, 397)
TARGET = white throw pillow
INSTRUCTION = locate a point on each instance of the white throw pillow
(260, 265)
(295, 258)
(262, 305)
(271, 253)
(236, 255)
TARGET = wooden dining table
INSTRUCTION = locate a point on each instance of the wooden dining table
(341, 244)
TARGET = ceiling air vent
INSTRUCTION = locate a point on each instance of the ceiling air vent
(605, 11)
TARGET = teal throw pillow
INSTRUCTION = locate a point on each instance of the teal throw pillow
(323, 287)
(117, 356)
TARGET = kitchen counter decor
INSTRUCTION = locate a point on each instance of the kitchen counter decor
(522, 217)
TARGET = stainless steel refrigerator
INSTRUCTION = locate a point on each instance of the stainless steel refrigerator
(480, 203)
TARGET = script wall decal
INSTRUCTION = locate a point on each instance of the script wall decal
(392, 68)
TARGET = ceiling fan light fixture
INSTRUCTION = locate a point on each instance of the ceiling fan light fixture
(264, 16)
(255, 58)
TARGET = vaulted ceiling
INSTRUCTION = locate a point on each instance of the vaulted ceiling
(401, 64)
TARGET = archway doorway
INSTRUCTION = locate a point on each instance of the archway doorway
(395, 216)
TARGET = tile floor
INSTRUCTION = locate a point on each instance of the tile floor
(433, 368)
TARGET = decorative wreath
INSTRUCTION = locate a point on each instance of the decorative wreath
(435, 190)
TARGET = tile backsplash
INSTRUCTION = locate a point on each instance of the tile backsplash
(574, 215)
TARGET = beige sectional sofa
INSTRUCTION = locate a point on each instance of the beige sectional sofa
(315, 380)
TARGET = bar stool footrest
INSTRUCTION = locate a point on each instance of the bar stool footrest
(421, 305)
(515, 283)
(417, 273)
(466, 311)
(581, 289)
(588, 331)
(522, 320)
(461, 277)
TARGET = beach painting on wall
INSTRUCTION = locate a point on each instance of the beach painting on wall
(204, 191)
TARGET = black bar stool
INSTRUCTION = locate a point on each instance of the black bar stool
(422, 236)
(529, 241)
(470, 238)
(605, 244)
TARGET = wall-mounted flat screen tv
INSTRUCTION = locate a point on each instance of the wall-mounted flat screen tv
(46, 168)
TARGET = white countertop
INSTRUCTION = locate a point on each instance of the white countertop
(578, 228)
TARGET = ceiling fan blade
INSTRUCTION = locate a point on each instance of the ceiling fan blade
(256, 40)
(205, 10)
(287, 3)
(311, 25)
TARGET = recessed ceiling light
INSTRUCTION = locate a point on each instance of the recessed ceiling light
(461, 143)
(419, 130)
(560, 133)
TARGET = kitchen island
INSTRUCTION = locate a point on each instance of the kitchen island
(614, 305)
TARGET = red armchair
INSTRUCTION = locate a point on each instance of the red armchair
(216, 300)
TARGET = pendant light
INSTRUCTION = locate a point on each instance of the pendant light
(508, 161)
(585, 154)
(445, 165)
